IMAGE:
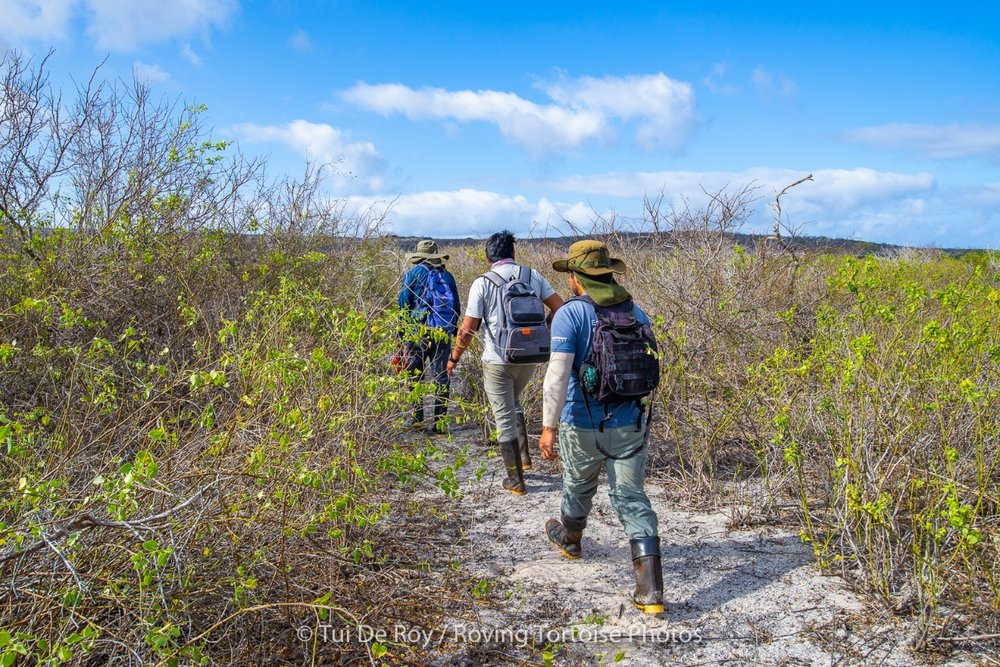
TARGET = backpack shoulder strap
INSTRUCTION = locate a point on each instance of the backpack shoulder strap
(494, 278)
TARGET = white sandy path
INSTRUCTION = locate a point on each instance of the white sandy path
(751, 596)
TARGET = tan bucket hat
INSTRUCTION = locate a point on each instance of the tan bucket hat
(591, 258)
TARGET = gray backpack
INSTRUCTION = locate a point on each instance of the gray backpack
(524, 336)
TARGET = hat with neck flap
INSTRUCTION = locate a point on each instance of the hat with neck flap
(427, 251)
(592, 264)
(591, 258)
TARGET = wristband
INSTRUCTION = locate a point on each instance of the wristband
(453, 360)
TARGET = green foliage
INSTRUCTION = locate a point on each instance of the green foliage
(887, 416)
(253, 391)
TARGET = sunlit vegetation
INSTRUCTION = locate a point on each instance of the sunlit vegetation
(202, 444)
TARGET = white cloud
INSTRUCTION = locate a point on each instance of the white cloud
(835, 189)
(470, 212)
(538, 128)
(123, 25)
(773, 86)
(299, 41)
(450, 213)
(150, 73)
(858, 203)
(715, 81)
(352, 163)
(987, 195)
(188, 53)
(664, 107)
(834, 203)
(45, 20)
(114, 25)
(585, 110)
(957, 140)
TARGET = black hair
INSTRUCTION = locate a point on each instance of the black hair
(500, 246)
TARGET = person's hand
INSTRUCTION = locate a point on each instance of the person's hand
(451, 367)
(547, 443)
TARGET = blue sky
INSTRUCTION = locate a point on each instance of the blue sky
(461, 118)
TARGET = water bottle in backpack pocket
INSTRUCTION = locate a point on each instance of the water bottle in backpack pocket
(523, 336)
(622, 366)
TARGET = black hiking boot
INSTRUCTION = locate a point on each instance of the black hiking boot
(522, 442)
(648, 574)
(567, 540)
(511, 456)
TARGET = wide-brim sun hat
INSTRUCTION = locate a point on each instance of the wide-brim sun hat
(427, 250)
(591, 258)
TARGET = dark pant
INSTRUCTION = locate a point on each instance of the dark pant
(427, 360)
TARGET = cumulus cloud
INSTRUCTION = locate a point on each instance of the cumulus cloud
(663, 107)
(836, 189)
(855, 203)
(539, 128)
(351, 162)
(957, 140)
(769, 86)
(837, 202)
(123, 25)
(45, 20)
(471, 212)
(583, 110)
(114, 25)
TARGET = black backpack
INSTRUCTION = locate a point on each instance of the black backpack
(622, 365)
(523, 337)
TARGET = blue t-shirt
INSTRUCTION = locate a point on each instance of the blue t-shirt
(572, 330)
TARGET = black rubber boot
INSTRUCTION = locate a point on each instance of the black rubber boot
(522, 442)
(512, 462)
(648, 574)
(567, 540)
(439, 425)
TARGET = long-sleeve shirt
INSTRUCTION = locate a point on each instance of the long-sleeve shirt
(413, 287)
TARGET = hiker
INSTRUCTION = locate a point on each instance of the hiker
(593, 435)
(431, 296)
(510, 300)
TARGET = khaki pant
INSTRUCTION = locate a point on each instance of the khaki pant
(582, 464)
(503, 384)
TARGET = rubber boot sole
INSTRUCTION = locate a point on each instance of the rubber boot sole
(562, 549)
(516, 492)
(648, 608)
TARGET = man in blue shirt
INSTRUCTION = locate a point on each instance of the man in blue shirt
(433, 301)
(575, 420)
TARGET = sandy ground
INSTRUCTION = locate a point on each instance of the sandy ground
(733, 597)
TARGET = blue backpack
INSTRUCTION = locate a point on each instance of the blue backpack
(437, 301)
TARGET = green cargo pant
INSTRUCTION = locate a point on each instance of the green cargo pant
(582, 463)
